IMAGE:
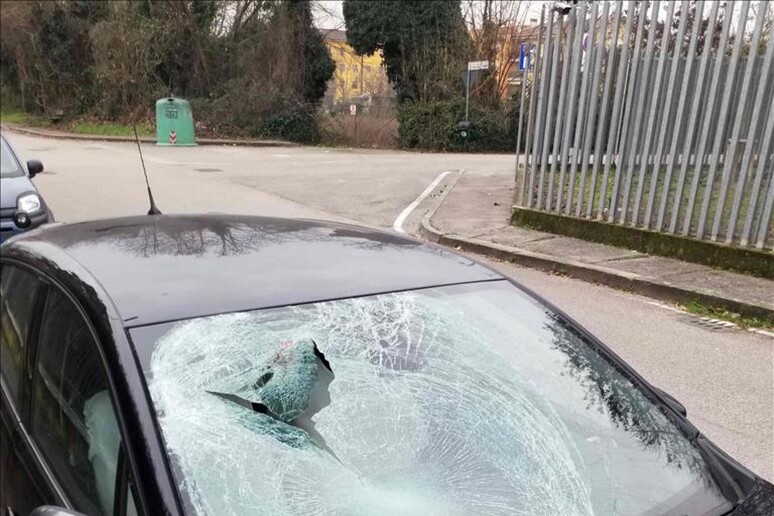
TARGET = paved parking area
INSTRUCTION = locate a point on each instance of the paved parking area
(366, 186)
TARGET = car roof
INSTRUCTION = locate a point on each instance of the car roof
(165, 268)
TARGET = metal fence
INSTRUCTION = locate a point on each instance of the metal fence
(657, 115)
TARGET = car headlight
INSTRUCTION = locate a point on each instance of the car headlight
(29, 203)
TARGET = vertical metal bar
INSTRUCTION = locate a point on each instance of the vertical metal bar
(708, 110)
(723, 119)
(563, 87)
(541, 116)
(518, 132)
(528, 144)
(730, 160)
(588, 133)
(682, 100)
(633, 64)
(763, 224)
(694, 114)
(639, 113)
(668, 114)
(655, 107)
(599, 153)
(577, 138)
(550, 113)
(763, 154)
(549, 117)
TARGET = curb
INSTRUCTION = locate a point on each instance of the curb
(143, 139)
(621, 280)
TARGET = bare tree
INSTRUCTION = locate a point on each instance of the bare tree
(497, 28)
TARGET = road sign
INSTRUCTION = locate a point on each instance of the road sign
(353, 109)
(524, 57)
(478, 65)
(172, 137)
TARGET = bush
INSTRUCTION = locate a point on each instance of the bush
(377, 130)
(241, 110)
(290, 120)
(433, 126)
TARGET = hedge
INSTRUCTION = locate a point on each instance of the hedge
(433, 126)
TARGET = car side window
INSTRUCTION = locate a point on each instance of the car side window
(73, 420)
(18, 289)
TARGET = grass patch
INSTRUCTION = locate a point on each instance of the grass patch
(15, 117)
(696, 308)
(654, 193)
(78, 126)
(111, 129)
(21, 118)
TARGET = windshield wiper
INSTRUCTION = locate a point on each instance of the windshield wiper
(252, 405)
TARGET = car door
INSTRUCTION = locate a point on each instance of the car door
(71, 427)
(21, 292)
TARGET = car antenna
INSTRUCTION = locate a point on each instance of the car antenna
(153, 209)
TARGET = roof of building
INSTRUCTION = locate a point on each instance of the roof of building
(334, 34)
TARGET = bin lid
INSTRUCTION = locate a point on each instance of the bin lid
(171, 100)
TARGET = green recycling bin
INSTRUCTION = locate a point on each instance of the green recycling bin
(174, 122)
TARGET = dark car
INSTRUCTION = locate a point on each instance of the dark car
(228, 365)
(21, 206)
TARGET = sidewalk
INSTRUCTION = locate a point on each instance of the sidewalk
(53, 133)
(473, 216)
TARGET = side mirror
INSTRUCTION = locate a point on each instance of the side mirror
(34, 167)
(50, 510)
(672, 402)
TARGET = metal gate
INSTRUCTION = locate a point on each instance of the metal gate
(657, 115)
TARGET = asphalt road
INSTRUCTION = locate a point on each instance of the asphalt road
(725, 378)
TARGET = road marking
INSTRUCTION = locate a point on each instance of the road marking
(398, 224)
(706, 321)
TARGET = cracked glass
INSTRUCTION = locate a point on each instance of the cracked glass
(469, 399)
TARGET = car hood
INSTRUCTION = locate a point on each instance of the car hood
(11, 188)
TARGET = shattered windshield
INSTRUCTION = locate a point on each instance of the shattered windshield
(470, 399)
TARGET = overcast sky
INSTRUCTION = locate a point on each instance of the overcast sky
(327, 14)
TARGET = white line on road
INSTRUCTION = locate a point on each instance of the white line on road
(720, 322)
(398, 224)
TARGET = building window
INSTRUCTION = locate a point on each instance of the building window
(354, 68)
(368, 68)
(354, 85)
(342, 67)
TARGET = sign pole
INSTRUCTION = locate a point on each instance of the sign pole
(467, 95)
(353, 112)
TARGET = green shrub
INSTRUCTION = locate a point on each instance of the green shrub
(433, 126)
(241, 110)
(290, 120)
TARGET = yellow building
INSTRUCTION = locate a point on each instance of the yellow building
(355, 76)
